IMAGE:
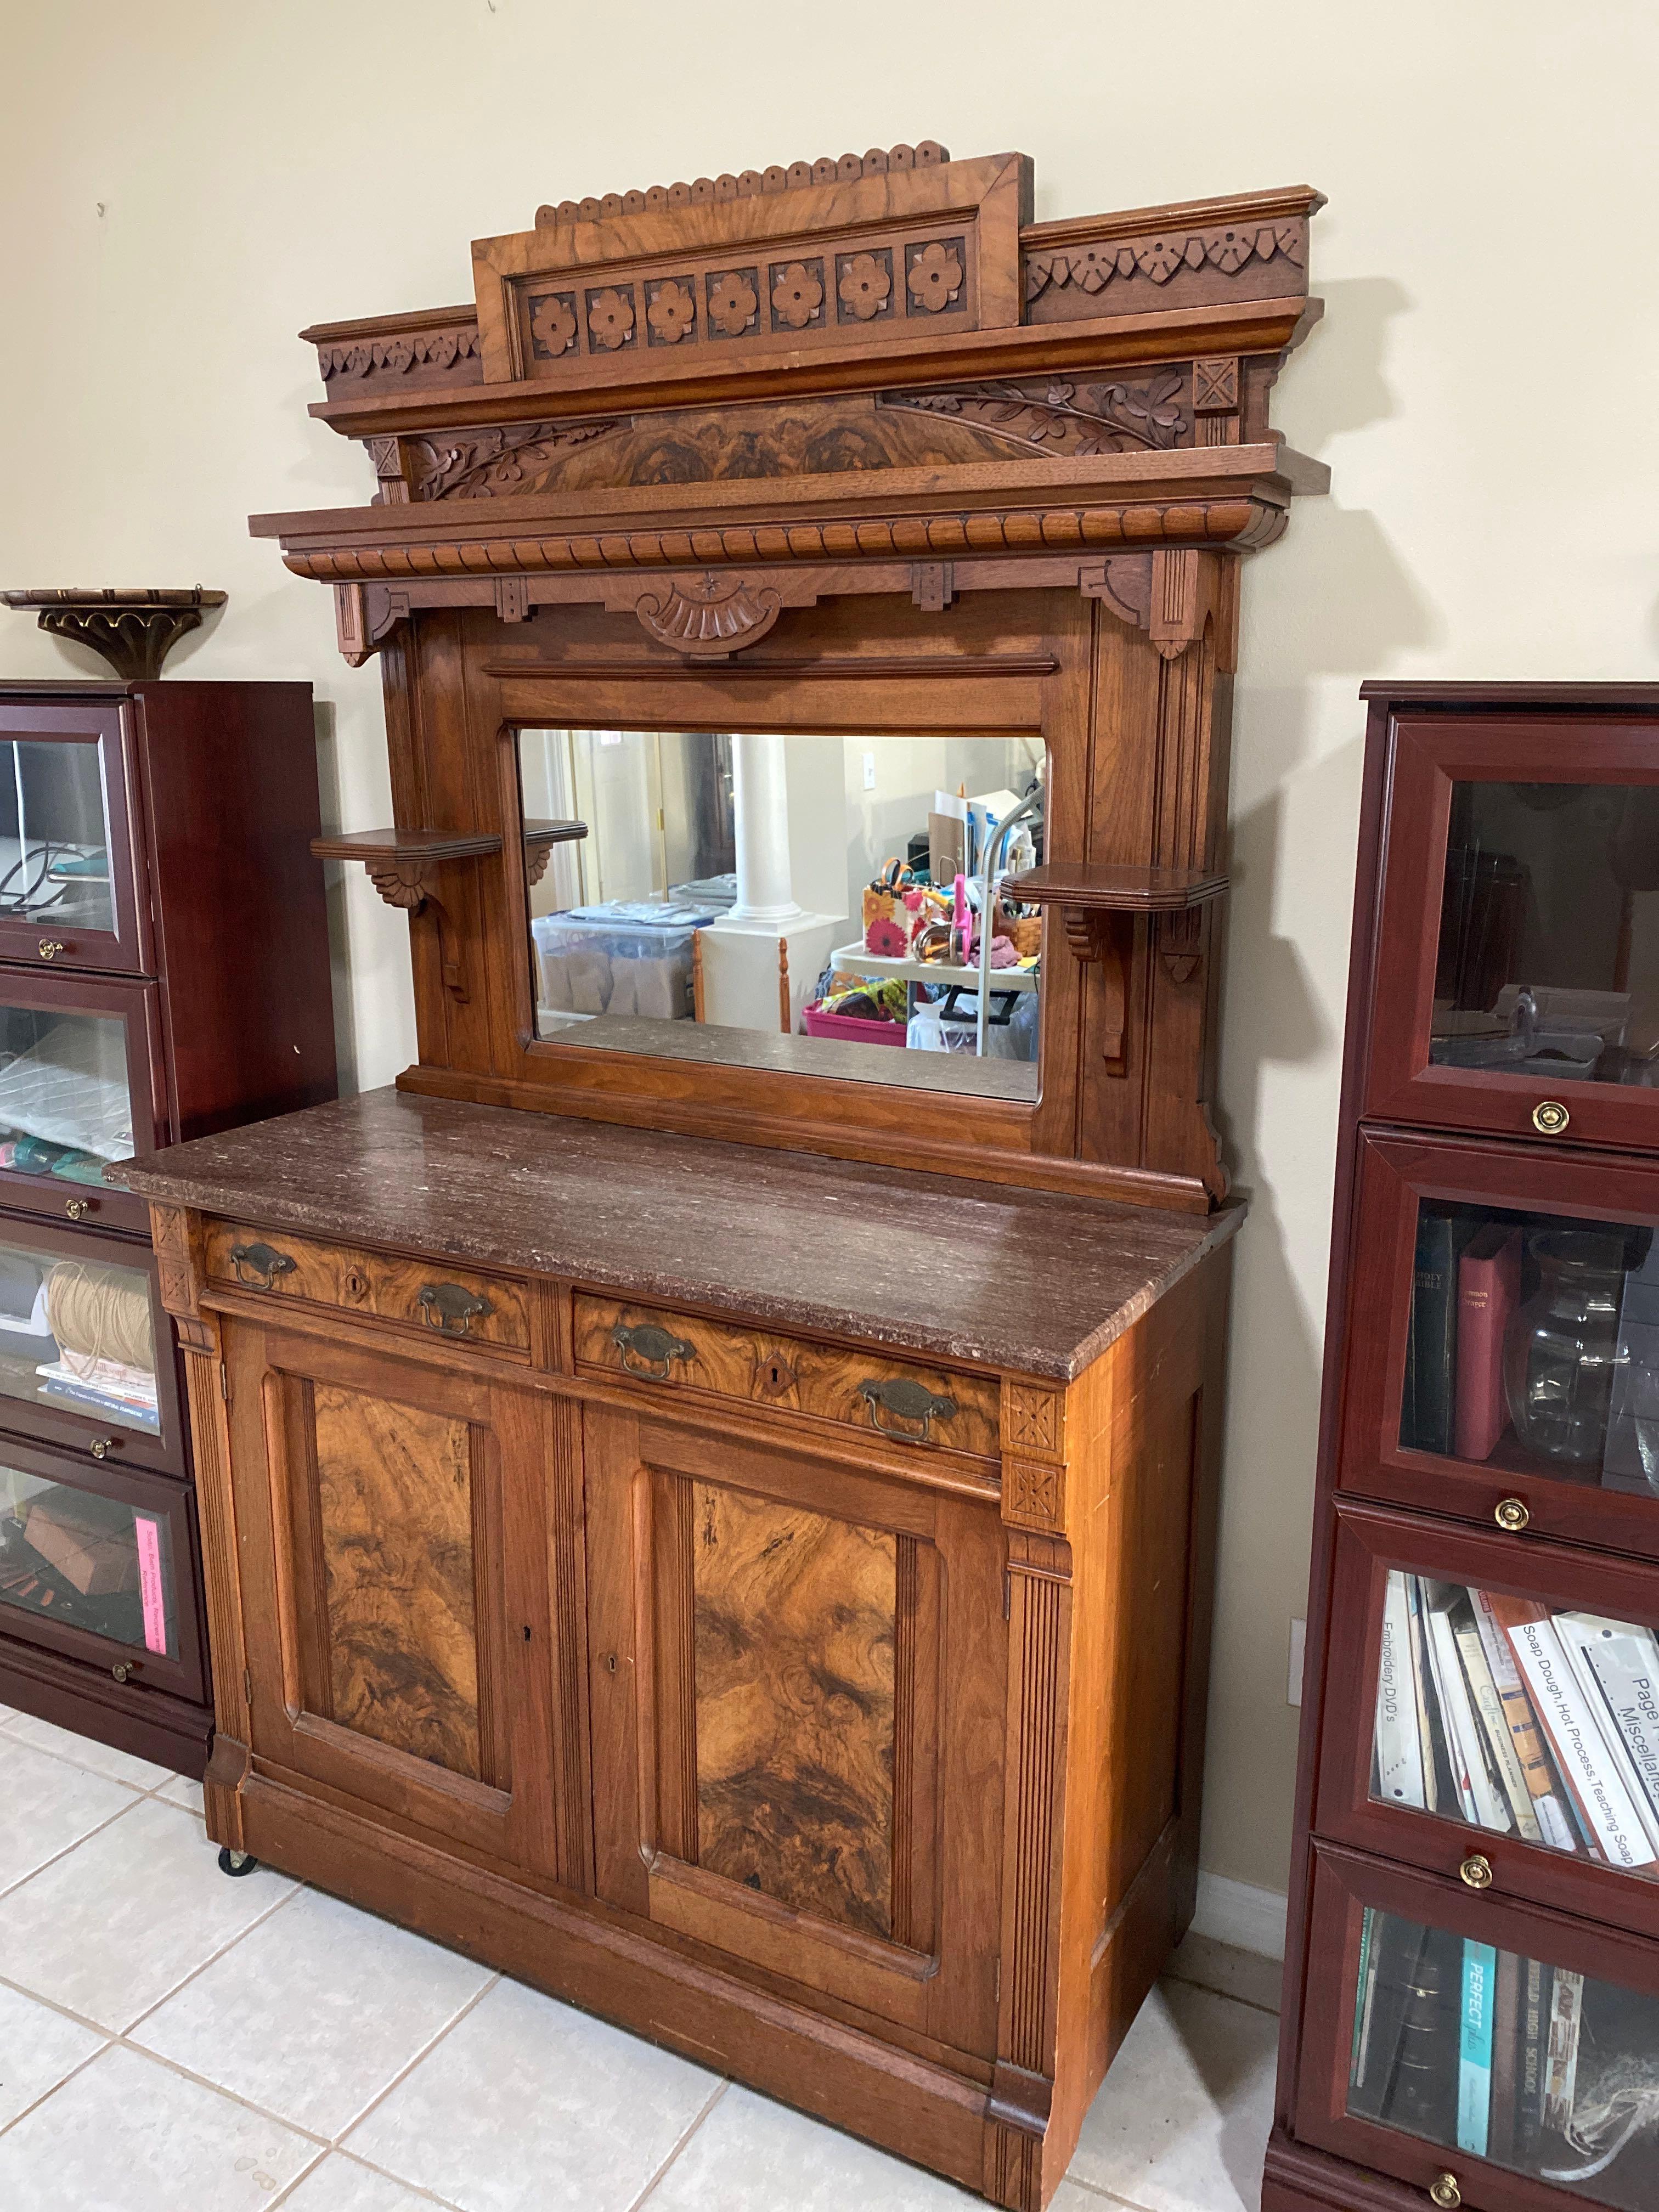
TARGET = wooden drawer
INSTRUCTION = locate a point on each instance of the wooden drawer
(458, 1306)
(912, 1403)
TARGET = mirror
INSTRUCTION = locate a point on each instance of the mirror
(807, 902)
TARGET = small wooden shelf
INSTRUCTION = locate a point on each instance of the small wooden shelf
(396, 859)
(1098, 887)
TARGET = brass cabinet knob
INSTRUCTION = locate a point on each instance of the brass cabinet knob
(102, 1447)
(75, 1208)
(1445, 2192)
(121, 1671)
(1550, 1117)
(1512, 1513)
(1476, 1873)
(50, 947)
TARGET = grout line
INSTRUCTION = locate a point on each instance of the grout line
(195, 1973)
(351, 2158)
(404, 2073)
(10, 1889)
(80, 2067)
(651, 2186)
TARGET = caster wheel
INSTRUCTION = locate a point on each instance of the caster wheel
(236, 1864)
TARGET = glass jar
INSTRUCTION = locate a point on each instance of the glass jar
(1561, 1347)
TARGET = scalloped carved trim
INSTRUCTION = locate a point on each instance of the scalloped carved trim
(826, 170)
(400, 350)
(1092, 268)
(709, 618)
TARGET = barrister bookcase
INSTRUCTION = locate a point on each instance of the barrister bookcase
(1472, 1981)
(164, 972)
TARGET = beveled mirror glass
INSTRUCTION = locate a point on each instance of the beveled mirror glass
(808, 902)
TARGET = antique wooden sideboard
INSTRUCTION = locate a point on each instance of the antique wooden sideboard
(732, 1542)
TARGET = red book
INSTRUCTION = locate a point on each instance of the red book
(1488, 1292)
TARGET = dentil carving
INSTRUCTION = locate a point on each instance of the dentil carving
(709, 615)
(826, 170)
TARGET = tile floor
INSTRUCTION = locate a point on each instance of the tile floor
(170, 2039)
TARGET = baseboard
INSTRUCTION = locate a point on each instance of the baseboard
(1234, 1912)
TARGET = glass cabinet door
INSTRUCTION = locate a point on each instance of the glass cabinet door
(98, 1565)
(1506, 1337)
(1518, 955)
(1512, 1687)
(66, 871)
(76, 1093)
(1497, 2057)
(86, 1349)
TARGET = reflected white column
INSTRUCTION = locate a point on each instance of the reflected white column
(760, 807)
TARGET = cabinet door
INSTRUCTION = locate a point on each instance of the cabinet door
(1507, 2060)
(394, 1555)
(99, 1565)
(1494, 1712)
(69, 874)
(82, 1088)
(797, 1681)
(1517, 970)
(1504, 1334)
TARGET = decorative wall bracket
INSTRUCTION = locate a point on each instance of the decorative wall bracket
(1170, 593)
(134, 631)
(364, 618)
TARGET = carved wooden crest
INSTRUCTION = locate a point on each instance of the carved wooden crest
(708, 616)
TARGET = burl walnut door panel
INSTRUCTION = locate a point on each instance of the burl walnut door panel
(798, 1678)
(392, 1525)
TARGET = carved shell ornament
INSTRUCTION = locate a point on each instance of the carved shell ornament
(732, 303)
(797, 296)
(611, 318)
(708, 616)
(672, 312)
(866, 286)
(935, 278)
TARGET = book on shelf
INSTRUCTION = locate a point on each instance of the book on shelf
(1493, 1722)
(1554, 1825)
(1592, 1771)
(1488, 1292)
(1561, 2059)
(1618, 1662)
(1427, 1412)
(1402, 2078)
(1484, 1803)
(1400, 1741)
(1503, 2115)
(1474, 2041)
(1531, 2059)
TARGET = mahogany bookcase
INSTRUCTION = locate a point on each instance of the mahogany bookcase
(1498, 1067)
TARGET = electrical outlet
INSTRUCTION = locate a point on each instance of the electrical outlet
(869, 771)
(1299, 1639)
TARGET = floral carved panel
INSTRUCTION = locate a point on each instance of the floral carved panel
(1064, 416)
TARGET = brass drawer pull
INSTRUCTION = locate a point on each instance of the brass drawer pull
(1512, 1513)
(654, 1346)
(1476, 1873)
(1550, 1117)
(76, 1208)
(260, 1264)
(906, 1401)
(1445, 2192)
(450, 1309)
(50, 947)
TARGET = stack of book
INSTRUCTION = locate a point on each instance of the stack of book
(1511, 2059)
(126, 1394)
(1498, 1711)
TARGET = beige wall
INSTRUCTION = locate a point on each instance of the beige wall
(184, 186)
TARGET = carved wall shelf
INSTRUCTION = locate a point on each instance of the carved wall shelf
(399, 861)
(134, 631)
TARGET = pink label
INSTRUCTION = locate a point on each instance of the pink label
(151, 1590)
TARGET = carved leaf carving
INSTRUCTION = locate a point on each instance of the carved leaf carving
(1057, 416)
(1227, 249)
(493, 463)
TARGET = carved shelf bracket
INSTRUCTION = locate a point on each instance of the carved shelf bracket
(710, 616)
(1181, 944)
(365, 615)
(134, 631)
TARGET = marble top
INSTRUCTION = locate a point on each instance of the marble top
(1024, 1280)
